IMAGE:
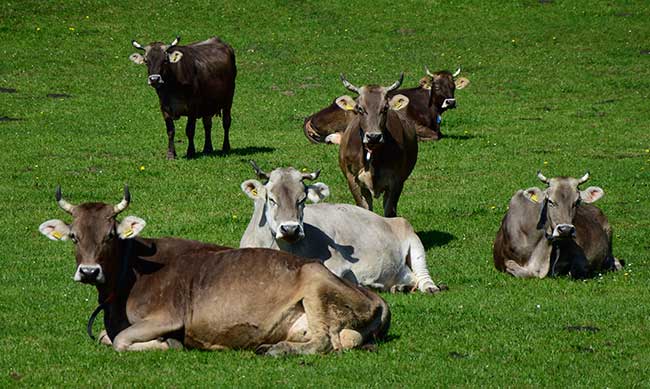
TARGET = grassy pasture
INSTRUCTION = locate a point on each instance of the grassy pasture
(557, 85)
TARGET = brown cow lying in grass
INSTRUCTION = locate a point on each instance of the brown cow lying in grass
(164, 293)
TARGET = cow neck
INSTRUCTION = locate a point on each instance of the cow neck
(114, 289)
(259, 227)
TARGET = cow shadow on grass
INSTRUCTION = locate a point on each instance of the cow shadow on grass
(243, 151)
(435, 238)
(460, 137)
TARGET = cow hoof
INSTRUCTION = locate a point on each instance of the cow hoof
(171, 156)
(403, 288)
(208, 151)
(225, 149)
(333, 139)
(262, 349)
(104, 339)
(174, 344)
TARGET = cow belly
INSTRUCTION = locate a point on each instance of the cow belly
(382, 266)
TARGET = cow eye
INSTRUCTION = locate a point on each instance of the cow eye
(272, 202)
(360, 109)
(552, 203)
(73, 238)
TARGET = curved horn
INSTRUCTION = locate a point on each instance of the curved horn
(349, 86)
(311, 176)
(260, 173)
(137, 45)
(456, 73)
(583, 179)
(174, 42)
(542, 178)
(396, 84)
(125, 201)
(426, 69)
(66, 206)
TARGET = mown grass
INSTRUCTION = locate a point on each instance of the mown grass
(557, 85)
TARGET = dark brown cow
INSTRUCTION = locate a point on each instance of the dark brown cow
(377, 152)
(428, 102)
(169, 292)
(555, 231)
(197, 81)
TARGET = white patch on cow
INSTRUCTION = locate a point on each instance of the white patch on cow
(398, 102)
(130, 227)
(136, 58)
(447, 102)
(55, 229)
(334, 138)
(317, 192)
(175, 56)
(591, 194)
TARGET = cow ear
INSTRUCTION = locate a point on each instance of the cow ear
(317, 191)
(535, 195)
(55, 229)
(346, 103)
(591, 194)
(175, 56)
(425, 82)
(461, 82)
(398, 102)
(130, 227)
(253, 189)
(136, 58)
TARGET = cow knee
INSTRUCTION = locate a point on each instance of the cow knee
(350, 339)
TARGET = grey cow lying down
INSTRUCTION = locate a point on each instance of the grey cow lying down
(555, 231)
(163, 293)
(354, 243)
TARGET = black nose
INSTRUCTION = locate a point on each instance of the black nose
(289, 230)
(154, 78)
(89, 273)
(566, 229)
(374, 138)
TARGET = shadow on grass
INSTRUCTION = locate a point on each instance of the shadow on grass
(248, 150)
(459, 137)
(435, 238)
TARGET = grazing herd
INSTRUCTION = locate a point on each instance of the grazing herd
(302, 280)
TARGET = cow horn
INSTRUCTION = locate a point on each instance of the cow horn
(174, 42)
(426, 69)
(542, 178)
(456, 73)
(583, 179)
(396, 84)
(349, 86)
(311, 176)
(66, 206)
(125, 201)
(137, 45)
(260, 173)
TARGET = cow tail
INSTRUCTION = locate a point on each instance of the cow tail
(418, 259)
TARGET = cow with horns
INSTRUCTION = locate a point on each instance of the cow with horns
(197, 81)
(434, 95)
(555, 231)
(171, 293)
(378, 151)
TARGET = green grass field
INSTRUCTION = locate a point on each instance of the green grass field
(555, 85)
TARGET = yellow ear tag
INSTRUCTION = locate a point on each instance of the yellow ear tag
(534, 197)
(128, 233)
(254, 192)
(57, 234)
(398, 105)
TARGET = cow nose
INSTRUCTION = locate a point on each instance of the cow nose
(449, 103)
(155, 79)
(89, 273)
(289, 230)
(374, 138)
(566, 230)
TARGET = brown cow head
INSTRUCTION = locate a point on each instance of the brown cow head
(283, 196)
(371, 108)
(442, 86)
(560, 201)
(95, 233)
(156, 55)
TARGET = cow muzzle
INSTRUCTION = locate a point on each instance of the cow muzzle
(89, 274)
(449, 104)
(373, 138)
(290, 232)
(562, 231)
(155, 79)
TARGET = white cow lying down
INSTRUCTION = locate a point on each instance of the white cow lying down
(354, 243)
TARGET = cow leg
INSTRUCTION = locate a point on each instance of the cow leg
(171, 150)
(356, 191)
(391, 197)
(207, 126)
(144, 335)
(103, 338)
(226, 119)
(189, 131)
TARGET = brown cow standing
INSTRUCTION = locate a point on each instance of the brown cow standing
(427, 103)
(163, 293)
(377, 152)
(197, 81)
